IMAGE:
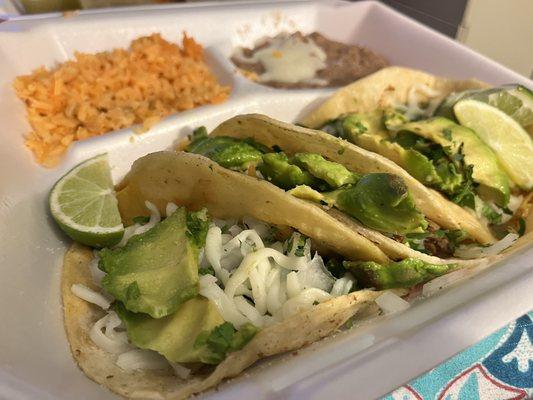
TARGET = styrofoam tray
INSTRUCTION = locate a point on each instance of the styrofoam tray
(35, 361)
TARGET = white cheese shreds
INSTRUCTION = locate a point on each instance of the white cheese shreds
(128, 233)
(225, 305)
(83, 292)
(288, 59)
(180, 371)
(171, 208)
(141, 359)
(417, 95)
(391, 303)
(96, 273)
(112, 342)
(249, 311)
(213, 252)
(474, 251)
(277, 281)
(305, 299)
(251, 260)
(155, 218)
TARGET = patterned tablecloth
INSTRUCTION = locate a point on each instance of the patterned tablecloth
(499, 367)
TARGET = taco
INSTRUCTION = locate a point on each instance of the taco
(216, 270)
(464, 139)
(377, 198)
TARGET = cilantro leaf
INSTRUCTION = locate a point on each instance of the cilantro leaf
(197, 226)
(206, 271)
(224, 339)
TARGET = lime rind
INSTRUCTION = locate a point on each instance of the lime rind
(84, 205)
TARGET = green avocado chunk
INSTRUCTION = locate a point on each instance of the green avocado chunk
(334, 174)
(276, 168)
(401, 274)
(229, 152)
(461, 143)
(380, 201)
(173, 336)
(157, 271)
(352, 126)
(433, 164)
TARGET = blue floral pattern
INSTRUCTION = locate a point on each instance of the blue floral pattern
(499, 367)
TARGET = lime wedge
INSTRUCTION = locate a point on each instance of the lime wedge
(514, 100)
(510, 142)
(84, 205)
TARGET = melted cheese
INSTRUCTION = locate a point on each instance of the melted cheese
(289, 60)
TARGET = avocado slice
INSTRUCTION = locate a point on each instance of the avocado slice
(334, 174)
(229, 152)
(402, 274)
(459, 141)
(352, 126)
(173, 336)
(158, 270)
(380, 201)
(276, 168)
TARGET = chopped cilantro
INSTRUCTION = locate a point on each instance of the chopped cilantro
(197, 226)
(206, 271)
(224, 339)
(300, 246)
(492, 215)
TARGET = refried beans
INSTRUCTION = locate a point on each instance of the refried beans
(284, 62)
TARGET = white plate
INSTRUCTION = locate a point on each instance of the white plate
(35, 362)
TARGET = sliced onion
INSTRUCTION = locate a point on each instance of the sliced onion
(141, 359)
(473, 251)
(262, 229)
(343, 285)
(391, 303)
(315, 275)
(293, 285)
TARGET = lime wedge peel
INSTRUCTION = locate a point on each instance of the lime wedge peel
(511, 143)
(84, 205)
